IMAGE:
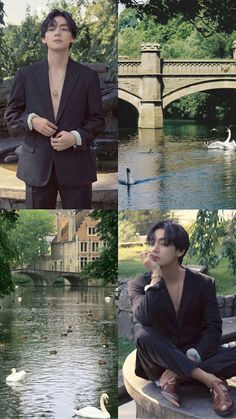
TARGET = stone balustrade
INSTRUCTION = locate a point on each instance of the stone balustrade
(196, 67)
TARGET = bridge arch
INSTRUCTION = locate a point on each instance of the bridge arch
(130, 98)
(201, 86)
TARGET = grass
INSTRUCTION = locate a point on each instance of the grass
(130, 266)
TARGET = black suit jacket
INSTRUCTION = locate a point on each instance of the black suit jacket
(80, 109)
(198, 324)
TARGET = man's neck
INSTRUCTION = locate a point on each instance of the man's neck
(58, 59)
(172, 273)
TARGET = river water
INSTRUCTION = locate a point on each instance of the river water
(85, 364)
(187, 175)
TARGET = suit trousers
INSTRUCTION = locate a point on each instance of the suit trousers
(45, 197)
(156, 353)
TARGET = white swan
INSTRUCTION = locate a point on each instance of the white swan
(16, 376)
(107, 299)
(93, 412)
(223, 145)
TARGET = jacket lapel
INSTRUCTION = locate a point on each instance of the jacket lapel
(188, 291)
(41, 74)
(165, 299)
(72, 75)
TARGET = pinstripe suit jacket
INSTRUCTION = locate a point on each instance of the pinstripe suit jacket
(80, 109)
(198, 324)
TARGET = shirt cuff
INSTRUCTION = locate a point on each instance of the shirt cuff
(29, 120)
(147, 286)
(77, 137)
(194, 354)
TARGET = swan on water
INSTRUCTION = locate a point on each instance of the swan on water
(129, 179)
(223, 145)
(93, 412)
(107, 299)
(16, 376)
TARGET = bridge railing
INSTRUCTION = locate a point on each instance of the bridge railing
(129, 66)
(199, 67)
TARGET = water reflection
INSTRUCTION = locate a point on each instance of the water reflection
(188, 175)
(85, 364)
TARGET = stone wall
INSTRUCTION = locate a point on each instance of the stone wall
(126, 322)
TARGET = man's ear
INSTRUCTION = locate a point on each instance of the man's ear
(43, 40)
(180, 252)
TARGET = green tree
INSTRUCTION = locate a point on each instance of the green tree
(106, 266)
(178, 39)
(208, 17)
(30, 235)
(208, 229)
(142, 219)
(1, 32)
(229, 245)
(21, 45)
(7, 251)
(96, 40)
(126, 231)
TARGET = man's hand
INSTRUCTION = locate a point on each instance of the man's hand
(148, 259)
(63, 140)
(43, 126)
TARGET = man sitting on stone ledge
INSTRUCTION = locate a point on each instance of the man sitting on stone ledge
(178, 337)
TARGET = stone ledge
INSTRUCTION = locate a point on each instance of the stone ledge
(12, 191)
(196, 399)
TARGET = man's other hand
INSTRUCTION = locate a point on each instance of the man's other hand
(63, 140)
(43, 126)
(168, 376)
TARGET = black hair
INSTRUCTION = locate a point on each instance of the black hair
(174, 234)
(50, 19)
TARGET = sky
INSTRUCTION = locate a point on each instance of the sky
(15, 9)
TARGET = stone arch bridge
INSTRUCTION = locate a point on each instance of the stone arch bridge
(47, 278)
(151, 83)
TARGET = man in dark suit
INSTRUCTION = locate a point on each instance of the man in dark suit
(180, 326)
(57, 103)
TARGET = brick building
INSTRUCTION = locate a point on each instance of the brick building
(75, 244)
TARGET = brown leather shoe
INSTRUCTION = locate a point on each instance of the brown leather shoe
(171, 391)
(222, 401)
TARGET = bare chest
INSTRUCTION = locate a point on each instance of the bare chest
(56, 82)
(175, 292)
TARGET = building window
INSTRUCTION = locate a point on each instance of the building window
(94, 258)
(95, 246)
(83, 262)
(83, 246)
(91, 231)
